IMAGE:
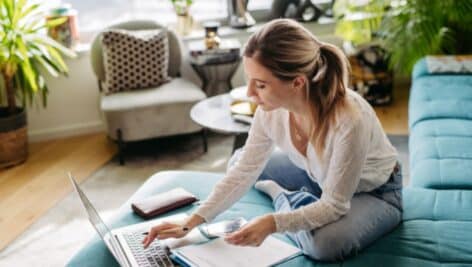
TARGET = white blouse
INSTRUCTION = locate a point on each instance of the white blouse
(357, 157)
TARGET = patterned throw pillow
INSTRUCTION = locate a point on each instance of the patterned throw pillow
(135, 59)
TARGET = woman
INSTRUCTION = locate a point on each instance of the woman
(336, 185)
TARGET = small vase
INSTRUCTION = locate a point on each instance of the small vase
(184, 24)
(184, 19)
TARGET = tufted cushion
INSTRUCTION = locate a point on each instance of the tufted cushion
(135, 59)
(441, 154)
(440, 97)
(440, 121)
(422, 243)
(437, 205)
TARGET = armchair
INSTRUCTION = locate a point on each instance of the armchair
(153, 112)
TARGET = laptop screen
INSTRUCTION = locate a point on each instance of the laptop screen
(94, 218)
(97, 222)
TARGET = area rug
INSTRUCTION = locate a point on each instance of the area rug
(62, 231)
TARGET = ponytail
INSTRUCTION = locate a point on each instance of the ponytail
(327, 92)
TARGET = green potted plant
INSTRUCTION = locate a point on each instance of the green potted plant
(182, 7)
(413, 29)
(359, 21)
(26, 54)
(358, 24)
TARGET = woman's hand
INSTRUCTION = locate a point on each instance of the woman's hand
(163, 231)
(167, 230)
(253, 233)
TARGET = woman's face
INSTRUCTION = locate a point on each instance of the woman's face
(268, 91)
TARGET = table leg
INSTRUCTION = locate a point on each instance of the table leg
(204, 134)
(239, 141)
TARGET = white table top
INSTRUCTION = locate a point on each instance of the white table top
(214, 113)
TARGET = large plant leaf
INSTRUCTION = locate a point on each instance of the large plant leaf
(41, 54)
(44, 95)
(9, 8)
(29, 9)
(55, 22)
(25, 49)
(58, 59)
(48, 41)
(358, 21)
(25, 65)
(419, 27)
(47, 65)
(17, 11)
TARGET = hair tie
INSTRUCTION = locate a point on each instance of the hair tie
(322, 67)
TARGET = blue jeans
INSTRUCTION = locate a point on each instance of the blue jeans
(372, 214)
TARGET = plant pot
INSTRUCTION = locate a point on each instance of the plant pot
(13, 138)
(370, 76)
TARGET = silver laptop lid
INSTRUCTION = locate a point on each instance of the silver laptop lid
(97, 222)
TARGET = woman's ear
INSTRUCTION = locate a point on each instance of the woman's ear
(299, 83)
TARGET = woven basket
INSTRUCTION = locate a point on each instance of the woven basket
(13, 140)
(374, 83)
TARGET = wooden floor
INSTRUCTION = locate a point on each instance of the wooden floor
(394, 117)
(29, 190)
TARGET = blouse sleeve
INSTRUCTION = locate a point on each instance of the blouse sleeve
(242, 175)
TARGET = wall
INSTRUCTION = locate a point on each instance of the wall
(73, 103)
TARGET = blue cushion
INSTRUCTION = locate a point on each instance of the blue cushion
(433, 224)
(452, 127)
(436, 205)
(439, 97)
(387, 260)
(441, 154)
(424, 241)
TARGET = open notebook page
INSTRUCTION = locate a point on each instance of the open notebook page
(218, 253)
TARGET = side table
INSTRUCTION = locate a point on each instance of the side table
(216, 66)
(214, 114)
(216, 76)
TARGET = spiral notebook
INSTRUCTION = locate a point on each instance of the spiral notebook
(217, 253)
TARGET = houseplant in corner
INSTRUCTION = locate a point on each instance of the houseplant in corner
(358, 24)
(26, 55)
(413, 29)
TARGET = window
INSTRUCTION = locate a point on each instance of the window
(94, 15)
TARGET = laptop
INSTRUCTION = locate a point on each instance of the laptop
(125, 243)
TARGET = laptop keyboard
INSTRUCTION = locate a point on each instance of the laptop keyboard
(154, 255)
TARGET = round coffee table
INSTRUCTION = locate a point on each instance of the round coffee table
(214, 113)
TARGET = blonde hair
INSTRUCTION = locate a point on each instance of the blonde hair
(288, 50)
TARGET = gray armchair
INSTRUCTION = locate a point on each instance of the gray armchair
(156, 112)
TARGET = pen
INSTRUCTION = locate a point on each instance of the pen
(185, 229)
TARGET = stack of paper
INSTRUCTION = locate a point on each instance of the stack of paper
(218, 253)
